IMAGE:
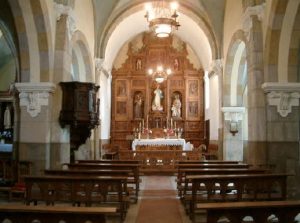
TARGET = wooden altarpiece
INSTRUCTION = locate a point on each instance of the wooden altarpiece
(133, 92)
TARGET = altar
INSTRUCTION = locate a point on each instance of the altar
(159, 142)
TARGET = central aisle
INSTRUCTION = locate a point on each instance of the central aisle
(158, 202)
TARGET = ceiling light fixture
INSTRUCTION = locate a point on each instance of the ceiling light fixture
(162, 20)
(160, 74)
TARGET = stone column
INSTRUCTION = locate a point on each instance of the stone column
(97, 130)
(233, 133)
(60, 137)
(217, 68)
(35, 119)
(255, 152)
(283, 118)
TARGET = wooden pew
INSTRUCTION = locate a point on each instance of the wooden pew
(109, 161)
(285, 211)
(77, 190)
(52, 214)
(92, 172)
(211, 165)
(247, 187)
(183, 183)
(116, 166)
(208, 162)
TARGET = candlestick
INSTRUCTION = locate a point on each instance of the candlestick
(147, 122)
(167, 123)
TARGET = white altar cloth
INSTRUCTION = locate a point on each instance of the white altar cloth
(158, 142)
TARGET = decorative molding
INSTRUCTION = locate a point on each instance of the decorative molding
(98, 64)
(247, 23)
(282, 95)
(34, 96)
(102, 66)
(60, 10)
(216, 66)
(233, 114)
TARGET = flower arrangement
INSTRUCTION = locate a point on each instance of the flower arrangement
(6, 135)
(168, 131)
(147, 131)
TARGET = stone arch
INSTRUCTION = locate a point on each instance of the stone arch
(294, 51)
(24, 63)
(271, 55)
(198, 17)
(79, 46)
(43, 29)
(235, 75)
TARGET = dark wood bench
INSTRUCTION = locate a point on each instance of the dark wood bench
(52, 214)
(211, 165)
(244, 187)
(285, 211)
(134, 167)
(208, 162)
(93, 172)
(109, 161)
(183, 183)
(101, 190)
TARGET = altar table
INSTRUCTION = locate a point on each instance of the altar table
(158, 142)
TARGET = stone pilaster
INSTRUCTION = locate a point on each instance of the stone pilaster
(233, 133)
(256, 148)
(283, 118)
(216, 67)
(35, 119)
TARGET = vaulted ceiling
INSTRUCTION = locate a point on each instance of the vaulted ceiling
(117, 21)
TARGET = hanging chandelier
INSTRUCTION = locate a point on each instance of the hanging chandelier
(162, 20)
(160, 74)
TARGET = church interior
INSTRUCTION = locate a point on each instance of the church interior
(150, 111)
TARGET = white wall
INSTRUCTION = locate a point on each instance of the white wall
(105, 106)
(84, 16)
(232, 22)
(212, 112)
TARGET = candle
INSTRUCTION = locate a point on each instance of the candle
(171, 123)
(175, 125)
(167, 123)
(143, 123)
(147, 121)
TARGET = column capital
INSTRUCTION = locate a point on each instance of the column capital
(34, 96)
(258, 10)
(282, 95)
(60, 10)
(101, 65)
(233, 113)
(216, 66)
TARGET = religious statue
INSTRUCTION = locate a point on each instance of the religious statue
(158, 95)
(7, 118)
(138, 64)
(176, 64)
(138, 102)
(176, 106)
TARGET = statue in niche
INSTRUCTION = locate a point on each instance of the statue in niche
(176, 64)
(156, 103)
(138, 106)
(176, 106)
(138, 64)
